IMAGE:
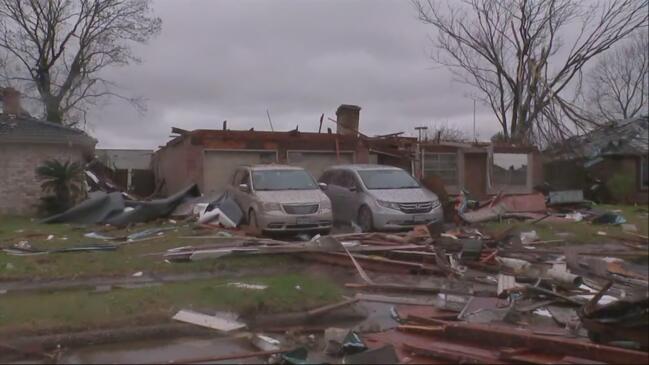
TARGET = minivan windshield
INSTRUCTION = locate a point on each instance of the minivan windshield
(387, 179)
(282, 180)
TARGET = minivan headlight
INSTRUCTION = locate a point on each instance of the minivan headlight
(271, 206)
(391, 205)
(436, 204)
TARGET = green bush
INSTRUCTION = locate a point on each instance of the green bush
(621, 186)
(63, 184)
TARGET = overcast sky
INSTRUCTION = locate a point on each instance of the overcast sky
(231, 60)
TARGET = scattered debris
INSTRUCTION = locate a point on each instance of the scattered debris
(114, 210)
(222, 322)
(265, 343)
(225, 209)
(248, 286)
(147, 233)
(455, 293)
(575, 216)
(565, 197)
(27, 250)
(529, 237)
(609, 218)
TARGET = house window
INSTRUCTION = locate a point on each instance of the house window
(509, 169)
(267, 157)
(442, 165)
(644, 172)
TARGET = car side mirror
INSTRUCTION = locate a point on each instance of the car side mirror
(322, 186)
(353, 188)
(244, 187)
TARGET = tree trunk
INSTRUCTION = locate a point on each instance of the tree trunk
(53, 111)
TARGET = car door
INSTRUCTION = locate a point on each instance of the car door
(233, 188)
(338, 192)
(247, 197)
(241, 197)
(333, 192)
(351, 195)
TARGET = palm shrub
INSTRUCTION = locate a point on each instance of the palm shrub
(621, 186)
(63, 184)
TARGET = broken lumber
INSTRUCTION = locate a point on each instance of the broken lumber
(220, 324)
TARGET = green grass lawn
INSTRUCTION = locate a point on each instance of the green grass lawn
(577, 232)
(68, 311)
(45, 312)
(127, 260)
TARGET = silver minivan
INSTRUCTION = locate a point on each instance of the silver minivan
(379, 197)
(280, 198)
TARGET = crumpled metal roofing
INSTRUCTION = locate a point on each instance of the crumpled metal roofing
(624, 137)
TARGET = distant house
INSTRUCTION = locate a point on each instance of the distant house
(483, 169)
(25, 143)
(131, 169)
(620, 147)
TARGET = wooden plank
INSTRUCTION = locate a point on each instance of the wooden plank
(220, 324)
(396, 300)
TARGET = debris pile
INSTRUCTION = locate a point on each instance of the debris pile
(465, 296)
(557, 207)
(454, 293)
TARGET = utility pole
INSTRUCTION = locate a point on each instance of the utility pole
(421, 132)
(270, 121)
(420, 153)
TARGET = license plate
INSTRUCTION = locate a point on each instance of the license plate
(303, 220)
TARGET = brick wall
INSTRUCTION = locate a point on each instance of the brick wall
(19, 188)
(178, 166)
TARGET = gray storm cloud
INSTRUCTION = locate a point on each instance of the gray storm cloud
(233, 59)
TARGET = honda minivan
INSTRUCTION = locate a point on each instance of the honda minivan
(379, 197)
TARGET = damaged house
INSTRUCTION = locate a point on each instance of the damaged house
(25, 143)
(614, 154)
(482, 169)
(129, 169)
(209, 157)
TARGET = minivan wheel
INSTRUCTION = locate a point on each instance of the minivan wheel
(365, 219)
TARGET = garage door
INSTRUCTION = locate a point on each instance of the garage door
(317, 162)
(219, 166)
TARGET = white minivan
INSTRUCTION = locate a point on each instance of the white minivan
(281, 198)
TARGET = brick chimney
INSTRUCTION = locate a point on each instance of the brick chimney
(10, 98)
(348, 118)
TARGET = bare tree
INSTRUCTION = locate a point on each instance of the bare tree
(509, 50)
(619, 82)
(442, 132)
(58, 48)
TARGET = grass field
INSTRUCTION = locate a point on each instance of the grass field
(80, 310)
(143, 256)
(71, 310)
